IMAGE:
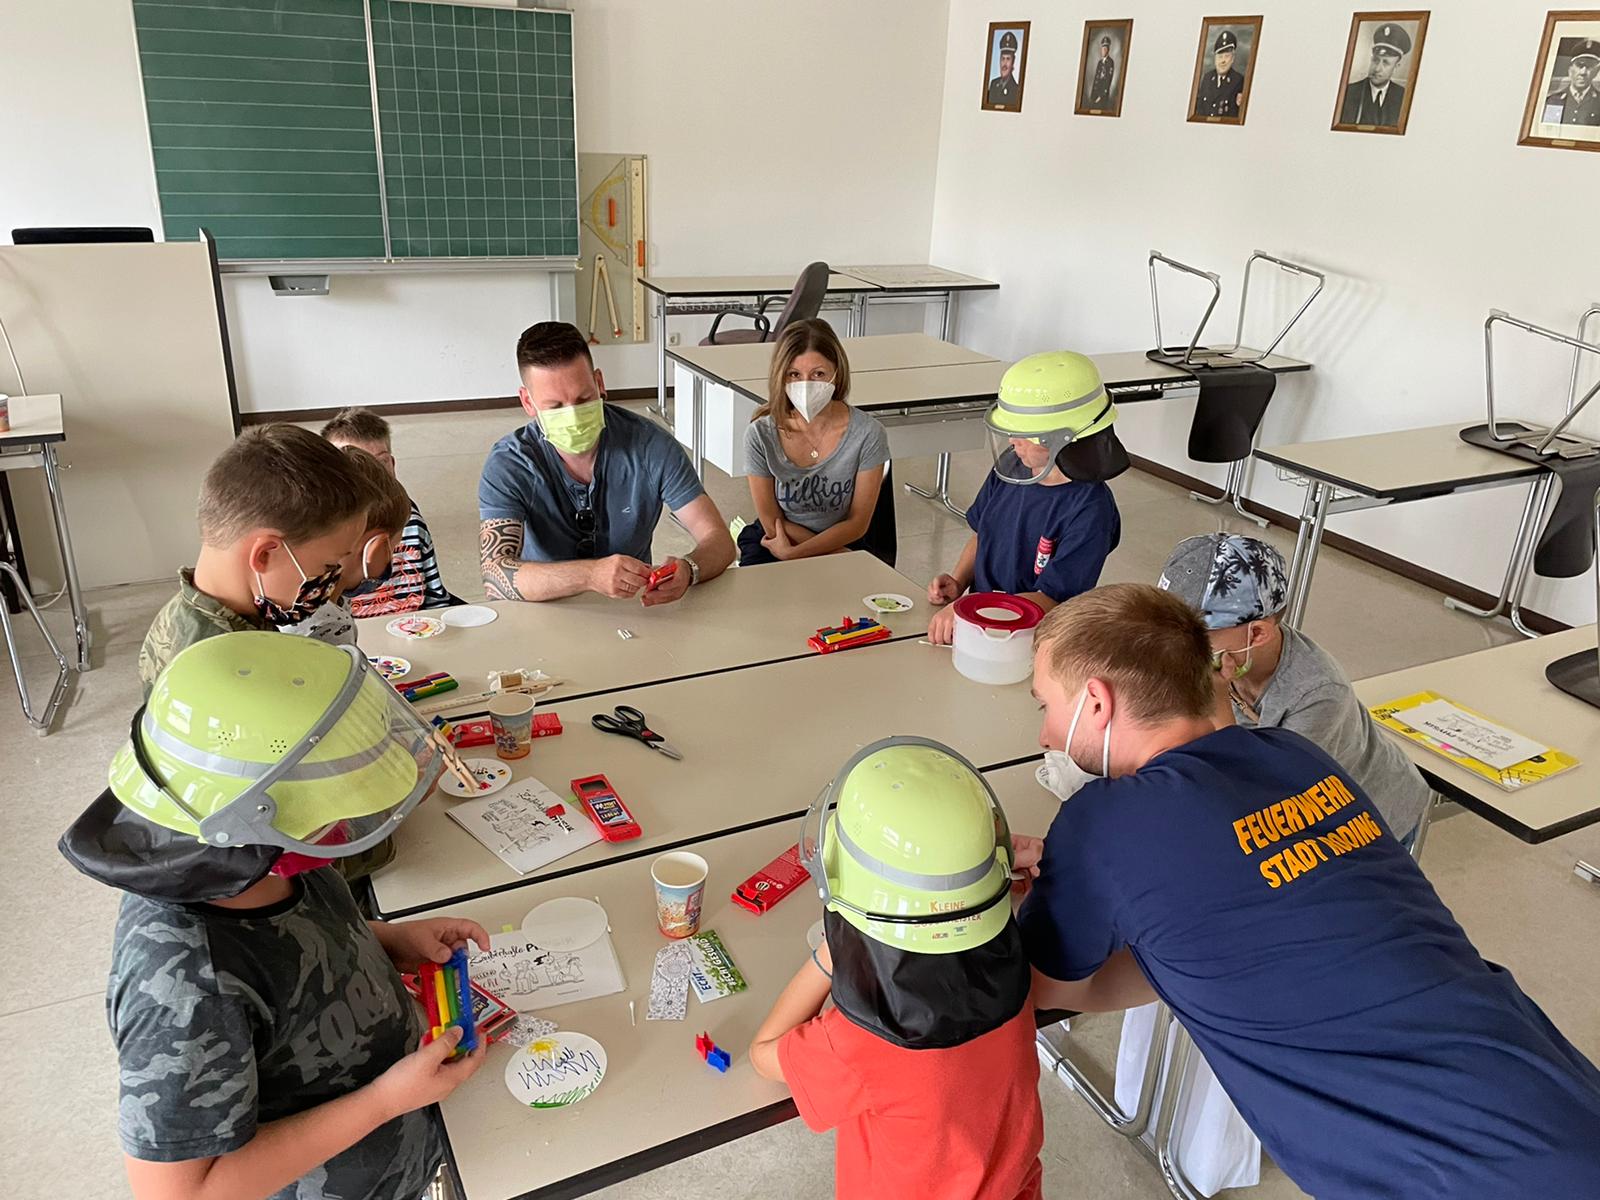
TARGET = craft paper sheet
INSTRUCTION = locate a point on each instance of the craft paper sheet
(516, 825)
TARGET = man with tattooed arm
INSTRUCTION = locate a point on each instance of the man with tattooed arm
(570, 501)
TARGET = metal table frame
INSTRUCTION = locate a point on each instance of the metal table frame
(22, 450)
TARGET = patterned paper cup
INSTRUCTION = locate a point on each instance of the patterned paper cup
(680, 879)
(511, 715)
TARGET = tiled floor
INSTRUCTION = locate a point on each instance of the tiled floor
(1520, 903)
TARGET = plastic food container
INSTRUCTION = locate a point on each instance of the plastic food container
(993, 640)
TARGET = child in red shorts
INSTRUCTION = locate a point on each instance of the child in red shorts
(925, 1065)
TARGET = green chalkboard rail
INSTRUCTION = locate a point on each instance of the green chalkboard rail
(362, 134)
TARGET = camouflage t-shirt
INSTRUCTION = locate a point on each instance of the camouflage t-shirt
(225, 1020)
(189, 617)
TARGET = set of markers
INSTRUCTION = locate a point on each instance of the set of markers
(429, 685)
(446, 993)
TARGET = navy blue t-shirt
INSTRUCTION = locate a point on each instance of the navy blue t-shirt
(640, 467)
(1035, 538)
(1345, 1012)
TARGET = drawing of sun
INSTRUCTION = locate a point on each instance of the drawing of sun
(546, 1046)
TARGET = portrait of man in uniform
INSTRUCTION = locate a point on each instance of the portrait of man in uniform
(1004, 67)
(1380, 72)
(1564, 100)
(1224, 64)
(1103, 68)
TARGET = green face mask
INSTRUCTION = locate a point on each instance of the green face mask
(576, 429)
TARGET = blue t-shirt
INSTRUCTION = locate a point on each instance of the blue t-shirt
(1345, 1012)
(640, 468)
(1034, 538)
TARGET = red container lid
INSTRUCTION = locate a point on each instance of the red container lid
(1015, 613)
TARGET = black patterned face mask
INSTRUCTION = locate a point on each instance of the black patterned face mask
(315, 591)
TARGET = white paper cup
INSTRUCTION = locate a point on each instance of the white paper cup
(511, 715)
(680, 879)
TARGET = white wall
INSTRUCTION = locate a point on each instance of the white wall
(1421, 234)
(695, 84)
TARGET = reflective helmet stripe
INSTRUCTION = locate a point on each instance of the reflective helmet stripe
(912, 879)
(1029, 410)
(238, 768)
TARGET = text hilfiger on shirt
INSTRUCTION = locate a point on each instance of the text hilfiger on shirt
(1267, 826)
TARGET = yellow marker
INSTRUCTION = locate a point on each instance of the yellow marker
(443, 995)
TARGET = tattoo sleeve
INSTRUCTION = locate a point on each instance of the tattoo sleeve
(499, 552)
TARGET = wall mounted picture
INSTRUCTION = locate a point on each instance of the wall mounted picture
(1005, 66)
(1380, 72)
(1563, 101)
(1103, 68)
(1224, 64)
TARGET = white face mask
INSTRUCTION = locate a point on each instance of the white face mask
(331, 623)
(1061, 773)
(809, 396)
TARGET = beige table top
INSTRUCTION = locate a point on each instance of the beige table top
(757, 745)
(1408, 464)
(917, 277)
(750, 363)
(686, 286)
(745, 616)
(659, 1101)
(34, 420)
(1507, 685)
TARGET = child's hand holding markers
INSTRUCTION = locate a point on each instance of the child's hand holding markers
(426, 1075)
(412, 943)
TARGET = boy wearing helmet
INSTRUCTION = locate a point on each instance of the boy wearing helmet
(1244, 878)
(912, 858)
(1044, 521)
(266, 1045)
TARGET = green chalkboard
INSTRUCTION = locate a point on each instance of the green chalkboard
(475, 107)
(264, 130)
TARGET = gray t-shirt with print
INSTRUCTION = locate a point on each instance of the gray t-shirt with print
(1311, 695)
(817, 497)
(225, 1020)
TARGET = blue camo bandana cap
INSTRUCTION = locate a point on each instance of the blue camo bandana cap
(1229, 579)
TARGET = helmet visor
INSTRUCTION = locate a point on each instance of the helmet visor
(354, 775)
(1020, 458)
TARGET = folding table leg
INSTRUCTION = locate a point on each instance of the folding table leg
(1129, 1125)
(1231, 493)
(941, 487)
(1174, 1097)
(42, 720)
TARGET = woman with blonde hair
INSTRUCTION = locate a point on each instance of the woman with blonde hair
(816, 465)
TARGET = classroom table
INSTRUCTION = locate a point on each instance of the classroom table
(37, 428)
(1373, 470)
(757, 745)
(659, 1102)
(1507, 684)
(744, 616)
(852, 288)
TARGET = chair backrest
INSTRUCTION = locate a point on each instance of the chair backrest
(805, 301)
(881, 539)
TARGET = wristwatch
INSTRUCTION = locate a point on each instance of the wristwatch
(694, 570)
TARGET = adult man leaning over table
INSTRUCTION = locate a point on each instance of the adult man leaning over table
(569, 502)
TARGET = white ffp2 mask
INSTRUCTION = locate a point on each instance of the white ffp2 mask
(809, 396)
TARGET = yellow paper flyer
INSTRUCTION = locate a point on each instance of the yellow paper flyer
(1452, 735)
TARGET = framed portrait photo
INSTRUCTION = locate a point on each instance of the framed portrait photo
(1224, 64)
(1005, 66)
(1563, 101)
(1381, 62)
(1103, 68)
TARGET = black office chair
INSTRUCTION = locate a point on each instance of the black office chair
(55, 235)
(882, 539)
(804, 303)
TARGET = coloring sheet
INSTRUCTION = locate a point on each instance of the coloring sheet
(562, 953)
(1467, 733)
(517, 826)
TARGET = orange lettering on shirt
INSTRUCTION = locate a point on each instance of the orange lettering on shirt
(1316, 849)
(1269, 873)
(1241, 833)
(1278, 821)
(1257, 833)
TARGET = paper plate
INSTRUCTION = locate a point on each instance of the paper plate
(466, 616)
(555, 1071)
(415, 628)
(888, 602)
(566, 923)
(814, 936)
(389, 666)
(491, 774)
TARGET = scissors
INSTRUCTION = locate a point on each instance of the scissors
(629, 722)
